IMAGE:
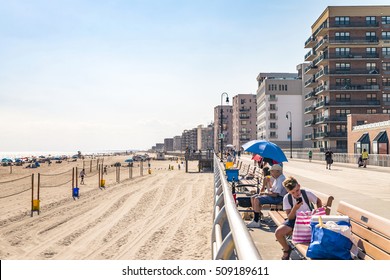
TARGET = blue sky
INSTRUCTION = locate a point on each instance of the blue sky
(102, 75)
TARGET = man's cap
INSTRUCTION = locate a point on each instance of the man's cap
(276, 167)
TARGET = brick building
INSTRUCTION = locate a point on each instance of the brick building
(369, 132)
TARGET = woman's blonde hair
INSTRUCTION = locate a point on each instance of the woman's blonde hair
(290, 183)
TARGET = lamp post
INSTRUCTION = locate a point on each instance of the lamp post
(290, 118)
(221, 132)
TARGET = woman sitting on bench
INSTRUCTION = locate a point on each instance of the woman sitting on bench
(297, 202)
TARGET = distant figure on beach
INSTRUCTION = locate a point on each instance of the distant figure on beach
(364, 158)
(82, 175)
(178, 166)
(328, 158)
(105, 169)
(310, 153)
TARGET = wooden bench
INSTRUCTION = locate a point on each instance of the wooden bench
(371, 233)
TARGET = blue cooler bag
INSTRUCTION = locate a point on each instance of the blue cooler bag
(329, 245)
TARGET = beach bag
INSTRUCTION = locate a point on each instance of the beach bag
(330, 241)
(302, 229)
(244, 201)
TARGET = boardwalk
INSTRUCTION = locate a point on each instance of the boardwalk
(367, 188)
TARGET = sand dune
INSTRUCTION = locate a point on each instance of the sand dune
(163, 215)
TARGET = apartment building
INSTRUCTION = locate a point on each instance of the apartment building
(168, 144)
(225, 112)
(243, 119)
(349, 68)
(189, 139)
(279, 95)
(177, 143)
(205, 137)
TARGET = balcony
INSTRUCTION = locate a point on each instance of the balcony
(349, 72)
(354, 41)
(322, 30)
(330, 135)
(244, 109)
(322, 75)
(310, 69)
(275, 98)
(310, 95)
(354, 55)
(273, 108)
(322, 59)
(308, 136)
(310, 42)
(354, 25)
(311, 82)
(310, 122)
(310, 109)
(321, 45)
(244, 117)
(355, 103)
(273, 127)
(272, 117)
(321, 104)
(321, 89)
(310, 55)
(355, 88)
(273, 136)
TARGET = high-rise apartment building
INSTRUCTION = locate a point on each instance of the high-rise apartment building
(227, 130)
(278, 95)
(205, 137)
(350, 70)
(243, 119)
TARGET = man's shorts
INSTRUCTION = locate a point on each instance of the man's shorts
(266, 199)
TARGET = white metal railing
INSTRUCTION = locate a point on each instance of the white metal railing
(230, 238)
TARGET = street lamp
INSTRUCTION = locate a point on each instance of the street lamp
(287, 117)
(221, 132)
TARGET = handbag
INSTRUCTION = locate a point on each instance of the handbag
(329, 244)
(302, 229)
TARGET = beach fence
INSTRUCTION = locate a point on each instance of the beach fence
(230, 238)
(53, 187)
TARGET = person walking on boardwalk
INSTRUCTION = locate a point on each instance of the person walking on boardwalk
(298, 201)
(310, 154)
(365, 157)
(328, 158)
(82, 175)
(272, 196)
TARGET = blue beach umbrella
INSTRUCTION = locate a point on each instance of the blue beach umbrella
(129, 160)
(265, 149)
(6, 160)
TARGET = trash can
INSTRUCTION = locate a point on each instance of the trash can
(149, 171)
(75, 192)
(102, 183)
(36, 205)
(232, 174)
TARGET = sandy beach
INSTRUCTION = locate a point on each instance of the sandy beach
(163, 215)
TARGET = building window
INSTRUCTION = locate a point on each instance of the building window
(272, 106)
(342, 20)
(371, 81)
(370, 20)
(371, 36)
(342, 36)
(341, 128)
(343, 97)
(370, 66)
(386, 20)
(371, 52)
(242, 101)
(386, 51)
(386, 111)
(386, 97)
(343, 82)
(272, 125)
(272, 116)
(386, 81)
(343, 112)
(343, 52)
(371, 96)
(371, 111)
(244, 122)
(343, 66)
(272, 134)
(385, 35)
(272, 97)
(386, 66)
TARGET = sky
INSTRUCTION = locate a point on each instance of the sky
(89, 75)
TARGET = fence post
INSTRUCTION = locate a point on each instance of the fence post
(90, 166)
(32, 193)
